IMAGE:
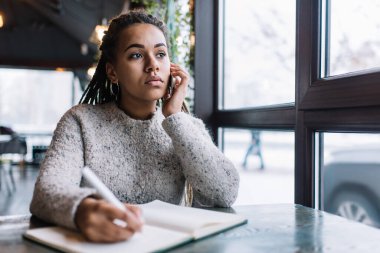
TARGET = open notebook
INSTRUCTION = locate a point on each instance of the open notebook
(166, 226)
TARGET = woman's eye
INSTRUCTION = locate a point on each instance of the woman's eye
(161, 54)
(135, 56)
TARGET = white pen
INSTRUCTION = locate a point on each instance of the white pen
(104, 192)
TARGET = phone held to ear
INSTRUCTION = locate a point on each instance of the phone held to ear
(170, 86)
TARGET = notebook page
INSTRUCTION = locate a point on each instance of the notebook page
(185, 219)
(151, 239)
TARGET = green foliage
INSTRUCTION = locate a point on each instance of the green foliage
(180, 28)
(169, 12)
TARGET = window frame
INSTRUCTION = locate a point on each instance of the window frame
(347, 103)
(360, 88)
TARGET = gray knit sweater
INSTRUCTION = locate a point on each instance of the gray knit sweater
(139, 160)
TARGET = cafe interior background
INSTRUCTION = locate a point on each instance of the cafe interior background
(292, 100)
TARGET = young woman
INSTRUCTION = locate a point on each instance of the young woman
(142, 152)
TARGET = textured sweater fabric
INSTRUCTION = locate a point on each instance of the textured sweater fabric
(138, 160)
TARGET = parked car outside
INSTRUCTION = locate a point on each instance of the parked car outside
(351, 185)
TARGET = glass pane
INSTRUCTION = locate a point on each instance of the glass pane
(33, 101)
(355, 40)
(265, 161)
(351, 176)
(259, 53)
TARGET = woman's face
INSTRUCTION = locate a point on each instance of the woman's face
(142, 65)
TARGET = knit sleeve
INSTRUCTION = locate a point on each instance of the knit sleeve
(213, 177)
(57, 191)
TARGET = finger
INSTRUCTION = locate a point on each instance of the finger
(135, 209)
(95, 231)
(112, 213)
(120, 234)
(108, 232)
(179, 72)
(178, 68)
(177, 81)
(173, 65)
(134, 222)
(181, 79)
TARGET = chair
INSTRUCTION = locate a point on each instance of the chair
(10, 143)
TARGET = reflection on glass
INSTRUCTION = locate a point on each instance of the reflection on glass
(355, 40)
(351, 176)
(259, 53)
(265, 161)
(34, 100)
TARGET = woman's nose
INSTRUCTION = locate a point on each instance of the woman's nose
(152, 65)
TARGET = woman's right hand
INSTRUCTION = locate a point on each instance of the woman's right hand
(174, 103)
(94, 218)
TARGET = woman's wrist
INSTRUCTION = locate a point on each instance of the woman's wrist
(82, 209)
(168, 114)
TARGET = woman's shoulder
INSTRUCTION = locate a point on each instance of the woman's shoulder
(183, 120)
(182, 116)
(89, 110)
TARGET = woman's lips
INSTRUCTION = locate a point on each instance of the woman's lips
(154, 81)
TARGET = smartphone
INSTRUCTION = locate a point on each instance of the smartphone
(170, 85)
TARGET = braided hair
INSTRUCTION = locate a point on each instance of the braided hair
(99, 90)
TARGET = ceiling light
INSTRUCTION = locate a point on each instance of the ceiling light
(1, 21)
(100, 29)
(91, 71)
(84, 49)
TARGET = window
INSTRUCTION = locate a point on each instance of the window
(351, 35)
(350, 172)
(265, 161)
(51, 93)
(263, 103)
(331, 97)
(259, 36)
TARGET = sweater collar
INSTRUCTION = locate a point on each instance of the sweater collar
(120, 116)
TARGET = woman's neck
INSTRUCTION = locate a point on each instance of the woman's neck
(140, 111)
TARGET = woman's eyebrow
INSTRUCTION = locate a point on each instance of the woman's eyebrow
(142, 46)
(160, 45)
(134, 45)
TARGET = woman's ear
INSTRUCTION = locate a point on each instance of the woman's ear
(111, 73)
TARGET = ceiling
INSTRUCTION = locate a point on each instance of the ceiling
(52, 33)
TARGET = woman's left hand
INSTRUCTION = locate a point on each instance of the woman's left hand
(181, 80)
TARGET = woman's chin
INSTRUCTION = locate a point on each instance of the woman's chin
(152, 96)
(158, 96)
(152, 99)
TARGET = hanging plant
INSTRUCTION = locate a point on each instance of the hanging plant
(180, 30)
